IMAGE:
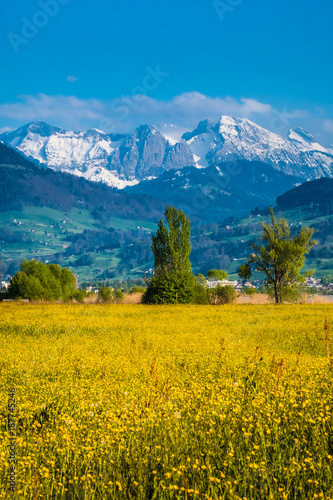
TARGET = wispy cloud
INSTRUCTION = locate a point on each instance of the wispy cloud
(5, 129)
(185, 110)
(328, 125)
(67, 111)
(72, 79)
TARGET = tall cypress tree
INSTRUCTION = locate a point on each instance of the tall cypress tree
(173, 280)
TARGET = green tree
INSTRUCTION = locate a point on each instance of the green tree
(173, 281)
(23, 286)
(171, 288)
(217, 275)
(137, 289)
(327, 280)
(67, 282)
(201, 279)
(38, 281)
(281, 256)
(51, 288)
(245, 272)
(171, 245)
(201, 291)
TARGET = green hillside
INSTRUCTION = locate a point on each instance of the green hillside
(43, 233)
(100, 232)
(55, 236)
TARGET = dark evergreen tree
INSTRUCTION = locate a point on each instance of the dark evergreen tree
(173, 281)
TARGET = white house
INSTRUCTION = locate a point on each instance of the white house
(214, 284)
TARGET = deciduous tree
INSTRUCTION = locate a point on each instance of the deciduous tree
(39, 281)
(281, 256)
(217, 275)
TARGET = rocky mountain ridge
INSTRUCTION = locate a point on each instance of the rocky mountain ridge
(122, 160)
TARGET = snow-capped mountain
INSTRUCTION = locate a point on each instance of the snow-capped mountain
(240, 139)
(116, 159)
(127, 159)
(146, 153)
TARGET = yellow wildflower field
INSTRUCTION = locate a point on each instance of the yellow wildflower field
(159, 402)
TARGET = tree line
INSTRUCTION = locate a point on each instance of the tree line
(280, 256)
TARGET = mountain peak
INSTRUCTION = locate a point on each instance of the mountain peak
(204, 127)
(124, 159)
(96, 133)
(42, 128)
(144, 128)
(300, 134)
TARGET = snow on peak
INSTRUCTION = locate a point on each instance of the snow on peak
(305, 140)
(241, 139)
(123, 159)
(304, 134)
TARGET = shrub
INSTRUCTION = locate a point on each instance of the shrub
(291, 294)
(138, 289)
(105, 294)
(201, 294)
(118, 294)
(79, 295)
(223, 294)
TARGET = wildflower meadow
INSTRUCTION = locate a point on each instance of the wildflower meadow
(166, 402)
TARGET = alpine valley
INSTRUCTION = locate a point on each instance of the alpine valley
(91, 200)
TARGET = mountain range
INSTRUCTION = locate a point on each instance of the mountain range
(147, 153)
(23, 183)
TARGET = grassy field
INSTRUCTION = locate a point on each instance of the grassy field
(128, 401)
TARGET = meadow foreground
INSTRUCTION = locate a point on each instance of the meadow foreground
(128, 401)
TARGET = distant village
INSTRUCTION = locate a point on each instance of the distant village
(314, 284)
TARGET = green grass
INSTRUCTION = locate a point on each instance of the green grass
(124, 224)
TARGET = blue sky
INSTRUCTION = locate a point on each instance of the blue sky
(113, 65)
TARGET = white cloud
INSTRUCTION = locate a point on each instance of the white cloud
(184, 110)
(5, 129)
(72, 79)
(328, 126)
(127, 112)
(66, 111)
